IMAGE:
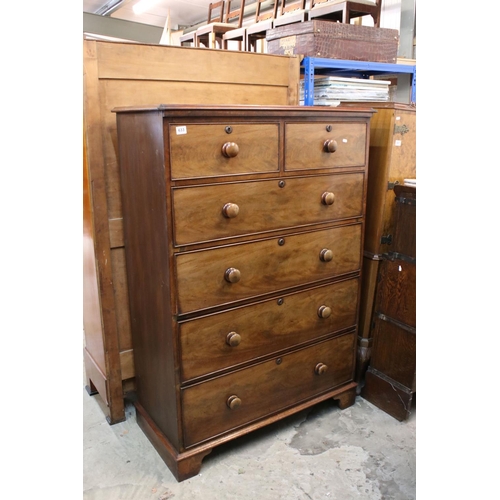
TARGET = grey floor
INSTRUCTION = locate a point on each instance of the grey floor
(322, 453)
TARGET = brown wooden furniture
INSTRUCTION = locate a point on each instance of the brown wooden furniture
(392, 159)
(343, 11)
(243, 230)
(390, 382)
(290, 12)
(263, 21)
(121, 74)
(211, 35)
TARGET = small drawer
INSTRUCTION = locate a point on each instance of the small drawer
(224, 403)
(216, 276)
(212, 212)
(211, 150)
(223, 340)
(311, 146)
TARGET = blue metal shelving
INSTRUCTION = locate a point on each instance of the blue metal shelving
(360, 69)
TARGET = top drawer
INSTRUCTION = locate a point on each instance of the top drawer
(324, 145)
(198, 150)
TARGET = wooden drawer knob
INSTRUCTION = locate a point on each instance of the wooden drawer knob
(324, 312)
(327, 198)
(233, 339)
(320, 369)
(230, 210)
(330, 146)
(326, 255)
(232, 275)
(233, 402)
(230, 149)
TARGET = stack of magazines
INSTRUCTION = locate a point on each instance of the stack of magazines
(332, 90)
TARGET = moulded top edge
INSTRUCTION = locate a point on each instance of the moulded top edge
(246, 108)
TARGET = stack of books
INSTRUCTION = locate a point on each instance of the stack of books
(332, 90)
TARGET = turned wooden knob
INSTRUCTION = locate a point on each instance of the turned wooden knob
(233, 339)
(232, 275)
(327, 198)
(324, 312)
(233, 402)
(230, 210)
(320, 369)
(330, 146)
(230, 149)
(326, 255)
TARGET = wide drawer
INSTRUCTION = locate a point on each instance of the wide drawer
(307, 144)
(218, 211)
(198, 150)
(265, 388)
(219, 341)
(207, 278)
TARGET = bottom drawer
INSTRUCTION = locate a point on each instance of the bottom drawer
(224, 403)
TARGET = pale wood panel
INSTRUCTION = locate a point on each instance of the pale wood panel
(116, 233)
(127, 364)
(146, 62)
(121, 298)
(104, 341)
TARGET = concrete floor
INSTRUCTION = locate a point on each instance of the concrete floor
(322, 453)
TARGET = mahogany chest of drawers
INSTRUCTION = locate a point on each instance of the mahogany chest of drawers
(243, 230)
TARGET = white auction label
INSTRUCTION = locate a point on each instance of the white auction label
(181, 130)
(397, 143)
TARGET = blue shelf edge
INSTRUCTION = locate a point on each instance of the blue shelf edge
(361, 68)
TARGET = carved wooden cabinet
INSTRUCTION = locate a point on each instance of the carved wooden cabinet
(243, 229)
(390, 381)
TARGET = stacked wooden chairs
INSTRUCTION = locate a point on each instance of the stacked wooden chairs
(343, 11)
(291, 12)
(263, 21)
(225, 25)
(220, 21)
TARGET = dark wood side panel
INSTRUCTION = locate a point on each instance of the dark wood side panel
(396, 294)
(388, 395)
(393, 352)
(147, 260)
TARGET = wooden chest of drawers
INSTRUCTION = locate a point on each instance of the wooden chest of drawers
(243, 231)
